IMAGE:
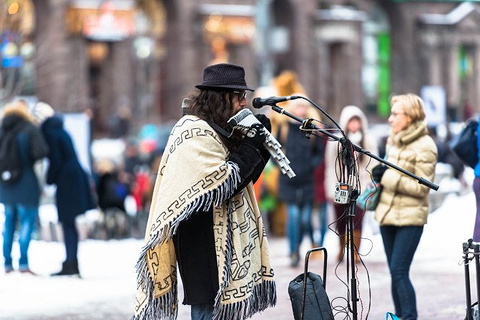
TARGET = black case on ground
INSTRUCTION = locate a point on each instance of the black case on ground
(307, 293)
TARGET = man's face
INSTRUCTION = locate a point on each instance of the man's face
(239, 100)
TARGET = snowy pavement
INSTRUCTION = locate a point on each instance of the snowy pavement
(107, 287)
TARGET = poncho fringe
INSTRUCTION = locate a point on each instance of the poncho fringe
(264, 295)
(156, 306)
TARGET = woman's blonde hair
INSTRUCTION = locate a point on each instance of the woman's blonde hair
(287, 83)
(311, 112)
(412, 105)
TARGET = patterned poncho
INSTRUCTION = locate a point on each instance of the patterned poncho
(194, 175)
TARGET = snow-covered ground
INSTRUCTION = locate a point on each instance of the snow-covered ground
(107, 283)
(107, 287)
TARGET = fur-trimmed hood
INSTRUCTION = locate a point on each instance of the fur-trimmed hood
(12, 113)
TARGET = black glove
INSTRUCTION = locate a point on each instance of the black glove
(251, 155)
(255, 136)
(378, 171)
(264, 121)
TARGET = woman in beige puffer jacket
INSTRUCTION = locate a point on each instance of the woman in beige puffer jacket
(403, 208)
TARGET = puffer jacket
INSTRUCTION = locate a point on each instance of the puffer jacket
(304, 156)
(32, 147)
(404, 201)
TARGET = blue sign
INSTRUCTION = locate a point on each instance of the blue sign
(12, 62)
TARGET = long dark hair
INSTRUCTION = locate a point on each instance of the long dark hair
(214, 106)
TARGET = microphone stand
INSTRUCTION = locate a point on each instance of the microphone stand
(347, 144)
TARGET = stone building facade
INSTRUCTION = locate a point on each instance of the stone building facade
(344, 52)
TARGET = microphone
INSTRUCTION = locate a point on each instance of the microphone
(271, 101)
(243, 120)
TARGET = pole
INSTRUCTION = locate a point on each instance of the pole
(476, 253)
(351, 254)
(468, 299)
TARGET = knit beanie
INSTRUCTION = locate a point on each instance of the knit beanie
(41, 111)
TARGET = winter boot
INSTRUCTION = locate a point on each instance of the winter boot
(294, 259)
(69, 267)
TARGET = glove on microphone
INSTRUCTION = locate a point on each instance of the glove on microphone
(244, 120)
(255, 136)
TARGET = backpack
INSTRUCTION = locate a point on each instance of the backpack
(465, 145)
(10, 164)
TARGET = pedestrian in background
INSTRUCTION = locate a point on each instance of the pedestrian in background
(73, 194)
(476, 190)
(403, 208)
(320, 199)
(305, 154)
(204, 215)
(286, 83)
(20, 195)
(112, 189)
(355, 125)
(119, 123)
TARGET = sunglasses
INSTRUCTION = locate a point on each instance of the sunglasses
(241, 95)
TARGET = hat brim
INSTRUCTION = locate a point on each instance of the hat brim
(220, 87)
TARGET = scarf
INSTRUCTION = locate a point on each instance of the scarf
(194, 175)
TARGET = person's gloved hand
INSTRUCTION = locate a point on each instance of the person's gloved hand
(255, 136)
(264, 121)
(378, 171)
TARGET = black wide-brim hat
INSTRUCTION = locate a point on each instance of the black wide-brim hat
(224, 76)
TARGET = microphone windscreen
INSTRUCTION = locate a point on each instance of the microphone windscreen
(239, 116)
(257, 103)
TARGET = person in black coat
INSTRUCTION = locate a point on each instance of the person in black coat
(21, 197)
(298, 192)
(111, 189)
(74, 193)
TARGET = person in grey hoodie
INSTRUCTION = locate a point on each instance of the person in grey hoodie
(355, 125)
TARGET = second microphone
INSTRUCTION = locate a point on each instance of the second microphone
(271, 101)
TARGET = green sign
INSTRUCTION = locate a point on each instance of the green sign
(383, 101)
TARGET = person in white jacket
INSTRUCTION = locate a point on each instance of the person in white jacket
(355, 125)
